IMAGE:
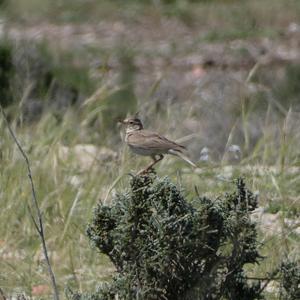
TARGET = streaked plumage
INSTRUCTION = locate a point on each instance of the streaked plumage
(148, 143)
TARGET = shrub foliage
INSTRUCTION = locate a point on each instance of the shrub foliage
(290, 280)
(164, 247)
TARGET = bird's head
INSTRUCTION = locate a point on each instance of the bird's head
(132, 124)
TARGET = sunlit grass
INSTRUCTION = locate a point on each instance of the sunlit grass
(68, 189)
(67, 194)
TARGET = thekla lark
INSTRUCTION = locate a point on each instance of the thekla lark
(148, 143)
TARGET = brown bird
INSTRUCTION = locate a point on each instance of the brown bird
(148, 143)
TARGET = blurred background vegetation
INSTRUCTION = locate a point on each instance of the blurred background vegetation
(221, 77)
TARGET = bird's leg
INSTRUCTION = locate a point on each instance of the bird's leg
(155, 161)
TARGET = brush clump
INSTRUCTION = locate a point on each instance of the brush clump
(164, 247)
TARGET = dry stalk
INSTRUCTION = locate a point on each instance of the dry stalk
(38, 220)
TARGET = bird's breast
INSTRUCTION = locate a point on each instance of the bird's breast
(140, 151)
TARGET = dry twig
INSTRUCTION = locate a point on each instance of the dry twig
(38, 223)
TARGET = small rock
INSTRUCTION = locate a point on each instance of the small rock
(293, 224)
(273, 287)
(225, 173)
(293, 28)
(233, 154)
(87, 155)
(75, 181)
(205, 155)
(268, 223)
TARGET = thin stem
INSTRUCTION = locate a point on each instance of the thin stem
(38, 224)
(263, 278)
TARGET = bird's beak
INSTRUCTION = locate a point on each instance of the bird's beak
(120, 121)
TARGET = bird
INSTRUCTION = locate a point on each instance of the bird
(148, 143)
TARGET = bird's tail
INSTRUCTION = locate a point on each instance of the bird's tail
(182, 156)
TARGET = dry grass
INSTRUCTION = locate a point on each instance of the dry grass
(217, 111)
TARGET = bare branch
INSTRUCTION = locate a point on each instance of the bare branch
(263, 278)
(33, 219)
(272, 276)
(38, 224)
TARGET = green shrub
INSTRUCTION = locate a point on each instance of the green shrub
(165, 248)
(290, 280)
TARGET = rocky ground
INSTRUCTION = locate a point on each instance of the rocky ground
(207, 81)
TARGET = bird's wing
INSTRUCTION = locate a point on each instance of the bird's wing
(151, 140)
